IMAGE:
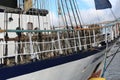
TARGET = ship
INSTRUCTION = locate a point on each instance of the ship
(34, 45)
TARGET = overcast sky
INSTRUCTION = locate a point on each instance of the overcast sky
(90, 15)
(87, 10)
(99, 15)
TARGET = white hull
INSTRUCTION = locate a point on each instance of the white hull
(77, 70)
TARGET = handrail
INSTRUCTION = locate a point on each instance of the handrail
(93, 28)
(32, 30)
(57, 45)
(1, 31)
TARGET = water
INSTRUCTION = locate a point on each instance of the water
(113, 71)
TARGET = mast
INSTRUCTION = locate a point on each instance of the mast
(6, 37)
(19, 34)
(38, 15)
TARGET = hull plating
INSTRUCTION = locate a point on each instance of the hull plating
(80, 69)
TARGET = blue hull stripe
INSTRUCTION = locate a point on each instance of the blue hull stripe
(10, 72)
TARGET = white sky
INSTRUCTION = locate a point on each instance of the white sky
(87, 9)
(99, 15)
(90, 15)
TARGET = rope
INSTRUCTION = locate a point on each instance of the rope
(73, 12)
(93, 28)
(113, 14)
(112, 59)
(63, 10)
(106, 66)
(106, 40)
(69, 16)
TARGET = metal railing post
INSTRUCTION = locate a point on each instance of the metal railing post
(74, 40)
(94, 37)
(16, 53)
(31, 46)
(85, 41)
(90, 38)
(79, 40)
(106, 36)
(59, 43)
(112, 33)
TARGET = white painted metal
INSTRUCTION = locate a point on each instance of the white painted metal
(76, 70)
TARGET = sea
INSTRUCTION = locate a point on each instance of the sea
(113, 71)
